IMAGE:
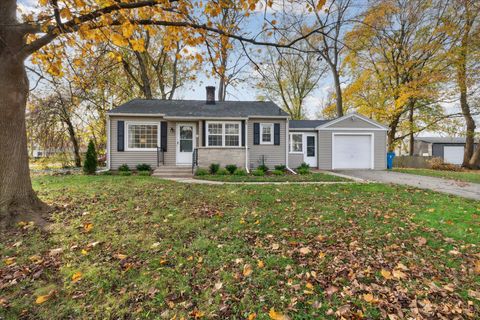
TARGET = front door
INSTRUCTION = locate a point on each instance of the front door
(310, 154)
(186, 133)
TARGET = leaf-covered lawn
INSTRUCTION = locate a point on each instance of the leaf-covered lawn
(312, 177)
(140, 247)
(467, 176)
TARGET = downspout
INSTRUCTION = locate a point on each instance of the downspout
(287, 137)
(246, 147)
(108, 142)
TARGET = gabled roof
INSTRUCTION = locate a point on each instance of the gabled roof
(441, 139)
(199, 108)
(306, 124)
(353, 115)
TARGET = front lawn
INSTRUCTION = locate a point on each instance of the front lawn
(466, 176)
(311, 177)
(141, 248)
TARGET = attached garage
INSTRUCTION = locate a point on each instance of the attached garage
(352, 142)
(352, 151)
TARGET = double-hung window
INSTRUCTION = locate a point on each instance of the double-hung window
(223, 134)
(142, 136)
(266, 133)
(296, 143)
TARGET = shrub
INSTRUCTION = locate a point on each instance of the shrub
(144, 167)
(439, 164)
(201, 172)
(231, 168)
(124, 168)
(278, 172)
(240, 172)
(214, 167)
(125, 173)
(263, 167)
(304, 166)
(303, 171)
(106, 173)
(90, 164)
(223, 172)
(144, 173)
(281, 167)
(258, 173)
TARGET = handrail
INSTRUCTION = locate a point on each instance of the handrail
(194, 159)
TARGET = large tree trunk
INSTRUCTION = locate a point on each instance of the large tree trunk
(411, 146)
(338, 90)
(18, 201)
(74, 140)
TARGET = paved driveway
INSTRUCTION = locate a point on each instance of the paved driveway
(458, 188)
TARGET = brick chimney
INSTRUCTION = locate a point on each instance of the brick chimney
(210, 94)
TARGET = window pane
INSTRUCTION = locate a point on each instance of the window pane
(186, 145)
(186, 132)
(214, 140)
(214, 128)
(142, 136)
(232, 128)
(267, 133)
(232, 141)
(310, 146)
(296, 143)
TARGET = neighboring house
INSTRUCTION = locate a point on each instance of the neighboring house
(450, 149)
(175, 133)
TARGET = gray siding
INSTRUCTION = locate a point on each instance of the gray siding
(295, 160)
(131, 158)
(325, 148)
(350, 123)
(437, 148)
(223, 156)
(421, 147)
(274, 154)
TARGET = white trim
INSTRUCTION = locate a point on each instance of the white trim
(287, 136)
(268, 117)
(186, 118)
(290, 143)
(350, 129)
(113, 114)
(272, 128)
(177, 141)
(108, 143)
(223, 123)
(126, 133)
(246, 145)
(328, 124)
(372, 146)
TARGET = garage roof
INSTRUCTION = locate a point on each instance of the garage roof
(306, 124)
(442, 139)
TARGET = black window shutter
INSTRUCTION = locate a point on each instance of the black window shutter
(243, 133)
(120, 135)
(256, 133)
(276, 134)
(204, 132)
(163, 135)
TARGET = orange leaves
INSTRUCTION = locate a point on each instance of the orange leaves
(118, 40)
(77, 276)
(386, 274)
(476, 268)
(87, 226)
(65, 13)
(138, 45)
(43, 298)
(247, 270)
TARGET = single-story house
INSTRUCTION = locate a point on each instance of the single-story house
(450, 149)
(186, 133)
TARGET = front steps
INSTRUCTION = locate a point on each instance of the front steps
(173, 172)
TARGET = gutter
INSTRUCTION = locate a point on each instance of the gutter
(246, 147)
(108, 142)
(287, 137)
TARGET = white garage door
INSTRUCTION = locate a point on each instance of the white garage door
(453, 154)
(352, 152)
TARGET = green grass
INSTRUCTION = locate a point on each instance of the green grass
(466, 176)
(160, 249)
(312, 177)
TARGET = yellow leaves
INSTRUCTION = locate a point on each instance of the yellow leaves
(368, 297)
(321, 255)
(260, 264)
(252, 316)
(80, 3)
(114, 56)
(476, 268)
(120, 256)
(43, 298)
(309, 288)
(274, 315)
(65, 13)
(118, 40)
(197, 314)
(77, 276)
(9, 261)
(128, 29)
(386, 274)
(138, 45)
(87, 226)
(84, 252)
(320, 4)
(247, 270)
(43, 2)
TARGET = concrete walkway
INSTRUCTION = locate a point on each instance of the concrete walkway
(458, 188)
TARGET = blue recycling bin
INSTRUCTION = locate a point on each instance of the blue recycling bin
(390, 156)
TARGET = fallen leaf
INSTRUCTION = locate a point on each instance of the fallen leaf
(9, 261)
(474, 294)
(321, 255)
(76, 276)
(331, 290)
(247, 270)
(399, 274)
(84, 252)
(305, 250)
(476, 269)
(218, 285)
(277, 315)
(275, 246)
(87, 226)
(386, 274)
(120, 256)
(252, 316)
(368, 297)
(421, 241)
(260, 264)
(42, 299)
